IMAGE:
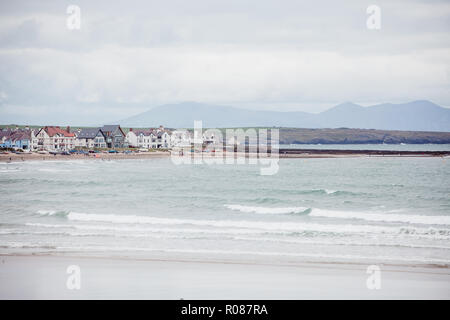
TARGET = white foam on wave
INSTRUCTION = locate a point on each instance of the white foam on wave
(261, 225)
(133, 229)
(436, 234)
(53, 170)
(22, 245)
(382, 217)
(390, 216)
(266, 210)
(7, 170)
(46, 212)
(50, 233)
(52, 213)
(164, 234)
(327, 191)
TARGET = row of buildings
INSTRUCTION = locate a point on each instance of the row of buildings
(52, 138)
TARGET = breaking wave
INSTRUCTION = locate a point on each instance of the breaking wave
(268, 210)
(389, 216)
(382, 217)
(53, 213)
(268, 226)
(327, 191)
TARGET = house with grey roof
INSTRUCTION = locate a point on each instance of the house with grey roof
(4, 135)
(115, 137)
(91, 138)
(16, 139)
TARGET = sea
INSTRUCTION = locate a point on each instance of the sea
(386, 210)
(385, 146)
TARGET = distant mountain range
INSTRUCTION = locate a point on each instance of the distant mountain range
(419, 115)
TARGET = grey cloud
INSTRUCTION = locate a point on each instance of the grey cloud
(131, 55)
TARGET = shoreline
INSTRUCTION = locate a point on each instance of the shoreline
(13, 157)
(283, 154)
(45, 277)
(251, 260)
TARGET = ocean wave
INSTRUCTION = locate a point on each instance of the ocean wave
(10, 170)
(267, 210)
(426, 231)
(282, 226)
(161, 235)
(134, 229)
(311, 230)
(264, 200)
(50, 233)
(53, 170)
(260, 225)
(390, 216)
(18, 245)
(382, 217)
(211, 252)
(327, 192)
(53, 213)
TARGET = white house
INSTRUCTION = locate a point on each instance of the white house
(140, 138)
(149, 138)
(131, 138)
(34, 143)
(162, 139)
(55, 139)
(181, 138)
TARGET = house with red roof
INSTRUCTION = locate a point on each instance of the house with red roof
(55, 139)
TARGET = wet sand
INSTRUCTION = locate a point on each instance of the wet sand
(45, 277)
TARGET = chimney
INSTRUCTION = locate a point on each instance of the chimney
(68, 129)
(131, 129)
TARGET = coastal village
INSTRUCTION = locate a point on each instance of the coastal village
(112, 138)
(16, 141)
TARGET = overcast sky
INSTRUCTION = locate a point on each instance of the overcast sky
(281, 55)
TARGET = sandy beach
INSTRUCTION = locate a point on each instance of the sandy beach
(45, 277)
(14, 157)
(292, 154)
